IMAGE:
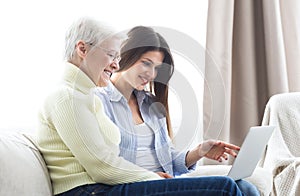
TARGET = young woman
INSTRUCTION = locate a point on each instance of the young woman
(143, 116)
(80, 144)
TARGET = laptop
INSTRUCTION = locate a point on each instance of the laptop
(251, 151)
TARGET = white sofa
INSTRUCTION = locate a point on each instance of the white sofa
(23, 170)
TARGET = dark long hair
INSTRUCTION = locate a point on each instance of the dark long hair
(140, 41)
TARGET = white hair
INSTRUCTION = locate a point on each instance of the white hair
(88, 30)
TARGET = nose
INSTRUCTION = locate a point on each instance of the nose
(115, 65)
(152, 73)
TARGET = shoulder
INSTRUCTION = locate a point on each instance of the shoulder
(58, 95)
(58, 99)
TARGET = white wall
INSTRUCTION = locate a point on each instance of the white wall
(32, 40)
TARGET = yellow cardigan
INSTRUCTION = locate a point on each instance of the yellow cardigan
(78, 141)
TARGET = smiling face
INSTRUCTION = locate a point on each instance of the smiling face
(100, 62)
(144, 70)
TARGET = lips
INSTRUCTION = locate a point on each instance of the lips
(144, 80)
(108, 73)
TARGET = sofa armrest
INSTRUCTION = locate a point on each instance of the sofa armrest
(22, 171)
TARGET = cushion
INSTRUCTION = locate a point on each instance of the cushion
(261, 177)
(23, 171)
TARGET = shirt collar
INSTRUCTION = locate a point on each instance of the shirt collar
(115, 95)
(140, 96)
(77, 78)
(112, 92)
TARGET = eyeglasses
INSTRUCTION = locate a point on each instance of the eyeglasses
(112, 54)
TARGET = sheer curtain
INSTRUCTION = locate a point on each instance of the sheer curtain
(253, 52)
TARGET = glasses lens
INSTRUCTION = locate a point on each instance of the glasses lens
(117, 58)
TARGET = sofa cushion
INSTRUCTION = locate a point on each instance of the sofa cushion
(261, 177)
(23, 171)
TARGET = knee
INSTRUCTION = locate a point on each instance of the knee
(228, 185)
(247, 188)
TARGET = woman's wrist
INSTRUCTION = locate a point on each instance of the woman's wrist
(193, 156)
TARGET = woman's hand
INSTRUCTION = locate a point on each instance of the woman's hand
(212, 149)
(164, 175)
(217, 150)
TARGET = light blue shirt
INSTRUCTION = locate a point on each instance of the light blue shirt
(117, 109)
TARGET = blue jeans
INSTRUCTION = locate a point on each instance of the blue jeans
(247, 188)
(208, 186)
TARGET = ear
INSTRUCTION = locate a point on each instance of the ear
(81, 49)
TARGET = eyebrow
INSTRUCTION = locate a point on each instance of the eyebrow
(109, 49)
(156, 65)
(149, 60)
(112, 50)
